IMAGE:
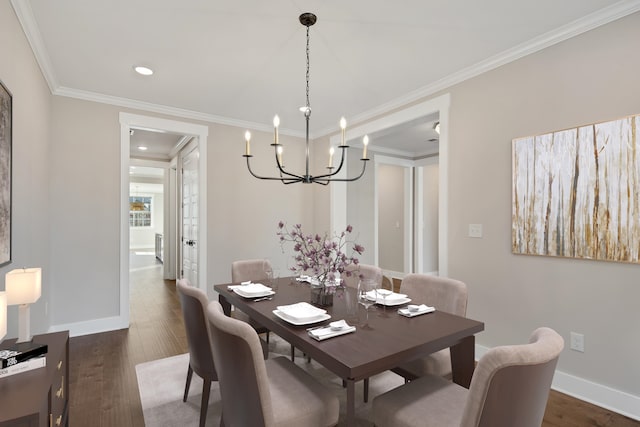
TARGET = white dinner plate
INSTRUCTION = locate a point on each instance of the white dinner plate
(301, 311)
(253, 290)
(391, 300)
(320, 318)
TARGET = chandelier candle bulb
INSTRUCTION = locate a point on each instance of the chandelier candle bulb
(365, 141)
(247, 138)
(331, 151)
(280, 156)
(343, 127)
(276, 123)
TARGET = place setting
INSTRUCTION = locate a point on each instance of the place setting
(256, 291)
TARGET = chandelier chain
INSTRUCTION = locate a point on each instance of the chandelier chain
(308, 105)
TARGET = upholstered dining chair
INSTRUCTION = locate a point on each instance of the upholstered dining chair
(194, 305)
(362, 270)
(254, 270)
(444, 294)
(510, 387)
(258, 392)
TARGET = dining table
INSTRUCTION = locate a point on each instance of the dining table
(386, 342)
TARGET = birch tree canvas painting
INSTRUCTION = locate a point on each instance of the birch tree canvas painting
(576, 192)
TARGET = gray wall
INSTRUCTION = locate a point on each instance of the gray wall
(391, 193)
(31, 242)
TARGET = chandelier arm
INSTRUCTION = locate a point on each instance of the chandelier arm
(295, 178)
(338, 169)
(364, 166)
(298, 178)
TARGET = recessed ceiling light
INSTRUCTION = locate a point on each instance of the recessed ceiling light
(142, 148)
(145, 71)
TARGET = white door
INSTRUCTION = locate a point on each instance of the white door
(190, 208)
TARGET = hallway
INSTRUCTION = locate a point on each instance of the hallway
(103, 386)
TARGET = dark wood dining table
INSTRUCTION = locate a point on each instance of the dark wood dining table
(387, 342)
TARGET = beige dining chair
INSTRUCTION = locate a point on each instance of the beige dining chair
(509, 387)
(258, 392)
(194, 305)
(444, 294)
(254, 270)
(361, 270)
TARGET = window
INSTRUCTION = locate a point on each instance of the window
(140, 211)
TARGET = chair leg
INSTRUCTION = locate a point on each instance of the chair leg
(365, 390)
(186, 387)
(293, 355)
(267, 337)
(204, 404)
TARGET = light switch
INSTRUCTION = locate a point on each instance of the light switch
(475, 230)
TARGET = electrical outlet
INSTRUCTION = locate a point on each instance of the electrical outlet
(475, 230)
(577, 342)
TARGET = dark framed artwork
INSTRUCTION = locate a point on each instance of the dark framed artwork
(576, 192)
(5, 174)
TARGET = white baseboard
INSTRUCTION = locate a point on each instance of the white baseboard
(95, 326)
(600, 395)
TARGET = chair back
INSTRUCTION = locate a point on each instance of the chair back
(249, 269)
(366, 271)
(194, 305)
(510, 385)
(444, 294)
(242, 374)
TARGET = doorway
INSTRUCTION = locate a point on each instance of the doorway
(339, 191)
(198, 132)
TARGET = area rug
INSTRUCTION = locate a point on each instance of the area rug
(161, 385)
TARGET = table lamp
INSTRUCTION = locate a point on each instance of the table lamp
(23, 286)
(3, 315)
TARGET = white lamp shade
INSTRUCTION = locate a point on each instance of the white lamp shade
(3, 314)
(23, 285)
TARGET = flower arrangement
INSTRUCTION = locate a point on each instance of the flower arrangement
(323, 256)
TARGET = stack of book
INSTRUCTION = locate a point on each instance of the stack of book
(22, 357)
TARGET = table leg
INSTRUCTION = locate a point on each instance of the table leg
(351, 402)
(226, 306)
(462, 361)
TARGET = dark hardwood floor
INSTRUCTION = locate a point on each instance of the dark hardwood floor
(103, 386)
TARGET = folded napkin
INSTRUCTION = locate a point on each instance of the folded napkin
(232, 287)
(326, 332)
(422, 309)
(309, 279)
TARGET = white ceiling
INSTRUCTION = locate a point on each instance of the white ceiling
(242, 62)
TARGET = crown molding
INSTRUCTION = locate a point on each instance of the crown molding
(579, 26)
(604, 16)
(23, 11)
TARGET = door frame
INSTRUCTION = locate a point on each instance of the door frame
(128, 121)
(338, 190)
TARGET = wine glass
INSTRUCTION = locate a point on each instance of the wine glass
(268, 273)
(382, 292)
(366, 287)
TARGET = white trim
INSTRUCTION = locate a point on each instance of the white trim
(572, 29)
(94, 326)
(598, 394)
(127, 121)
(338, 192)
(32, 32)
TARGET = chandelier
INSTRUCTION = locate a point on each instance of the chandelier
(286, 177)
